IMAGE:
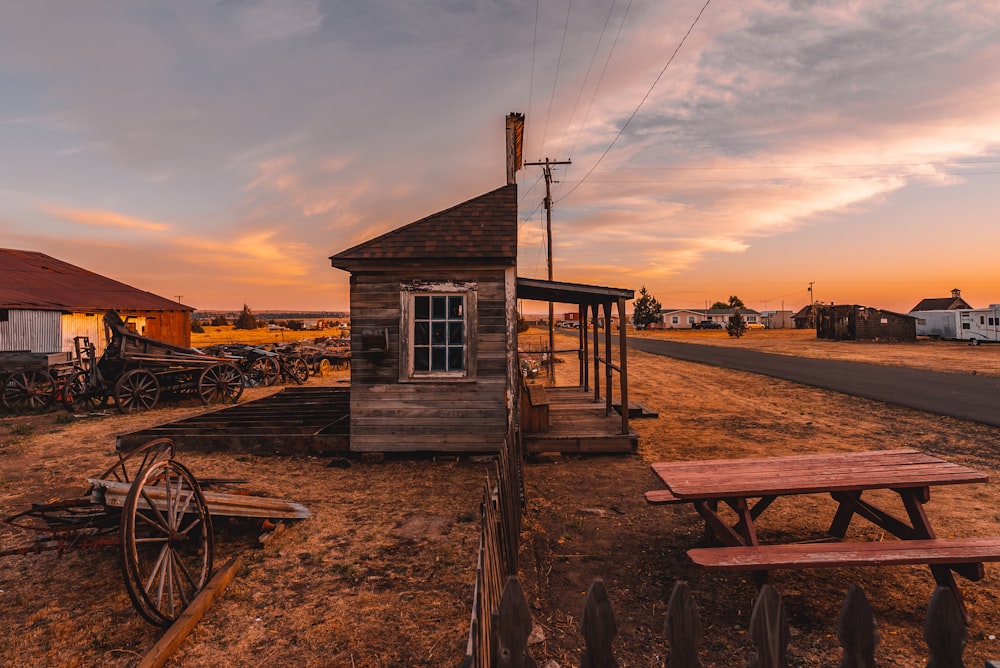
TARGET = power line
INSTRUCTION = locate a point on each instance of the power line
(641, 102)
(555, 80)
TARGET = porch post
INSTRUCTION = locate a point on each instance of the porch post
(623, 363)
(609, 357)
(597, 356)
(584, 349)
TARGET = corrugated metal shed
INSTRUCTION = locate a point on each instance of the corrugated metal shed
(32, 280)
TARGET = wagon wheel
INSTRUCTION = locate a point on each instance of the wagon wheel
(77, 394)
(264, 371)
(297, 369)
(28, 390)
(322, 367)
(136, 390)
(167, 544)
(220, 383)
(131, 464)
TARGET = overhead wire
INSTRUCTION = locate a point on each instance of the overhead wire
(600, 80)
(555, 79)
(641, 102)
(586, 77)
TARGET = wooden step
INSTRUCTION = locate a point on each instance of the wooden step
(820, 555)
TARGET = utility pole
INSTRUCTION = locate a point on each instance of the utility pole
(178, 298)
(547, 173)
(812, 296)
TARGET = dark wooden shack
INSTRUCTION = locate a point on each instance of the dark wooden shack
(851, 322)
(433, 330)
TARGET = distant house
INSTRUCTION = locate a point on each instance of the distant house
(852, 322)
(805, 317)
(778, 319)
(691, 318)
(45, 303)
(943, 303)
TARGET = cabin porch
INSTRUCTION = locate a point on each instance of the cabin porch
(578, 423)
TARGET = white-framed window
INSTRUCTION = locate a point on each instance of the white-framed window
(690, 319)
(675, 320)
(438, 322)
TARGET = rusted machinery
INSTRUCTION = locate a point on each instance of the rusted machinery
(159, 516)
(135, 371)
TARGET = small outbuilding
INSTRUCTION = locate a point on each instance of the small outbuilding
(433, 329)
(943, 303)
(852, 322)
(45, 303)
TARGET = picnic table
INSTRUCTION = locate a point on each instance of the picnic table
(712, 486)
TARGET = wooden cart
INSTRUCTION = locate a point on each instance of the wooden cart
(159, 516)
(135, 371)
(30, 381)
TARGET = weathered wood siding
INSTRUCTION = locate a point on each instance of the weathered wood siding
(393, 415)
(172, 327)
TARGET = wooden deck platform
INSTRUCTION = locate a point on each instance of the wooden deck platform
(295, 421)
(579, 424)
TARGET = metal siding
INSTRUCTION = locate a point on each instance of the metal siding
(90, 325)
(34, 331)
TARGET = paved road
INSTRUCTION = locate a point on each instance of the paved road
(965, 396)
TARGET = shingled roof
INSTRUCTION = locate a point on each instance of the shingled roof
(482, 228)
(941, 304)
(33, 280)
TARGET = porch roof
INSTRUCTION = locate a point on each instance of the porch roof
(569, 293)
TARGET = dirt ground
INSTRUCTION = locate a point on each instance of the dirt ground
(381, 575)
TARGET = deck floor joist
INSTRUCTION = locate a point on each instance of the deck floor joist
(297, 420)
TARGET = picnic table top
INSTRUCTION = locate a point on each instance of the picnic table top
(808, 474)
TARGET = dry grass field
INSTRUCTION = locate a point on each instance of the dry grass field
(381, 574)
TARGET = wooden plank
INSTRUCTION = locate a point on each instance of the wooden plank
(821, 555)
(659, 496)
(112, 493)
(181, 629)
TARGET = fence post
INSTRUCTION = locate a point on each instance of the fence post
(598, 628)
(683, 628)
(769, 630)
(944, 630)
(512, 625)
(857, 631)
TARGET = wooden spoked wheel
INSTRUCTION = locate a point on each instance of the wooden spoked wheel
(28, 390)
(77, 394)
(297, 369)
(137, 390)
(131, 464)
(221, 383)
(264, 372)
(167, 544)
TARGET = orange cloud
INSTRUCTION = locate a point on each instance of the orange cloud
(102, 218)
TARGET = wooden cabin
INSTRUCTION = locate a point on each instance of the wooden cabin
(45, 303)
(433, 330)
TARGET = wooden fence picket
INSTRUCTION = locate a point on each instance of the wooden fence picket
(511, 628)
(598, 628)
(683, 627)
(944, 630)
(769, 630)
(857, 631)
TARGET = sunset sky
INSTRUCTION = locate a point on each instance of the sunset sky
(220, 152)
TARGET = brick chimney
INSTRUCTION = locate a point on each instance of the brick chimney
(956, 293)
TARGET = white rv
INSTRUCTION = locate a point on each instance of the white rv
(978, 325)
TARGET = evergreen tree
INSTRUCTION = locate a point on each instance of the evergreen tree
(246, 319)
(736, 326)
(646, 310)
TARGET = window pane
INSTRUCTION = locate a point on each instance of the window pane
(456, 359)
(454, 307)
(421, 308)
(438, 359)
(421, 359)
(438, 307)
(421, 333)
(455, 330)
(438, 332)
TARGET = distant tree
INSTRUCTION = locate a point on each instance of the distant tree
(522, 324)
(646, 310)
(719, 306)
(734, 302)
(197, 327)
(295, 325)
(219, 321)
(246, 319)
(736, 326)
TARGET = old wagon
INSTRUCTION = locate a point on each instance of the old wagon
(159, 516)
(135, 371)
(30, 381)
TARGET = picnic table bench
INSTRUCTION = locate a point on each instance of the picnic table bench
(733, 483)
